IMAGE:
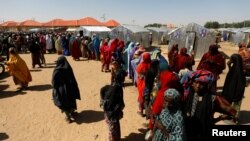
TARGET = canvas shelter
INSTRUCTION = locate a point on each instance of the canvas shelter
(9, 26)
(160, 35)
(30, 23)
(133, 33)
(71, 29)
(101, 31)
(89, 21)
(54, 23)
(111, 23)
(193, 37)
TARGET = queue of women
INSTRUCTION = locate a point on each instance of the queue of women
(177, 100)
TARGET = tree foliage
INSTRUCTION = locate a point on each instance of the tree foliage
(215, 24)
(154, 25)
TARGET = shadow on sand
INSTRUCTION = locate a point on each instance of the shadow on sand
(4, 75)
(35, 70)
(39, 87)
(127, 84)
(244, 117)
(6, 94)
(136, 136)
(88, 116)
(3, 136)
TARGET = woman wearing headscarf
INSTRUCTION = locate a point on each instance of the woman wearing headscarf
(106, 56)
(166, 79)
(65, 45)
(113, 105)
(172, 54)
(169, 125)
(65, 88)
(75, 49)
(199, 106)
(214, 62)
(17, 67)
(245, 54)
(235, 82)
(35, 50)
(128, 51)
(58, 45)
(141, 69)
(181, 59)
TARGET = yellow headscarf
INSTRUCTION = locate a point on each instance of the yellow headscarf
(18, 68)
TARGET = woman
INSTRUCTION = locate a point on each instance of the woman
(113, 104)
(166, 79)
(169, 125)
(18, 69)
(141, 69)
(172, 54)
(234, 86)
(198, 107)
(181, 59)
(214, 62)
(65, 88)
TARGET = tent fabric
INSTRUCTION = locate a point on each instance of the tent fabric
(9, 24)
(159, 35)
(247, 31)
(71, 29)
(133, 33)
(193, 37)
(102, 31)
(54, 22)
(94, 28)
(111, 23)
(32, 23)
(88, 21)
(70, 23)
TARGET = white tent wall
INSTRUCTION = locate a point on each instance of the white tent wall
(101, 31)
(131, 33)
(193, 37)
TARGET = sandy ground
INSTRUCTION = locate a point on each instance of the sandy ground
(32, 116)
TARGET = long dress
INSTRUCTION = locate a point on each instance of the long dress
(19, 70)
(65, 88)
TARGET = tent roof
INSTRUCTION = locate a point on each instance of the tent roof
(70, 23)
(9, 24)
(54, 22)
(94, 28)
(88, 21)
(172, 31)
(157, 29)
(247, 31)
(30, 23)
(134, 28)
(111, 23)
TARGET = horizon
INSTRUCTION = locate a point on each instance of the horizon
(137, 12)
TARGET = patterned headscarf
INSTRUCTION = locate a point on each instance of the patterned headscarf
(198, 75)
(175, 96)
(202, 76)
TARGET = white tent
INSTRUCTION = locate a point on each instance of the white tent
(133, 33)
(71, 29)
(102, 31)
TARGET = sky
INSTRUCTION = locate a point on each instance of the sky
(139, 12)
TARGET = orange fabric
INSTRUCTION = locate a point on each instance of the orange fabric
(89, 21)
(18, 68)
(111, 23)
(30, 23)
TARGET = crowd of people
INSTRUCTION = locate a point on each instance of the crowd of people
(177, 100)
